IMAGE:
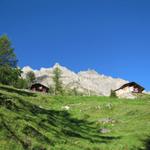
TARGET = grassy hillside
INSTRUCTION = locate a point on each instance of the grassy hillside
(43, 122)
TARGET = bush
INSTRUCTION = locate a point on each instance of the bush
(21, 83)
(113, 94)
(9, 75)
(51, 90)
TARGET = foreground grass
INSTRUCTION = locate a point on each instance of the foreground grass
(41, 122)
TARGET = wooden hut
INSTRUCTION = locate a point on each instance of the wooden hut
(39, 88)
(131, 87)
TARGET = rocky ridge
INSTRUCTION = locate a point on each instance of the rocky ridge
(88, 82)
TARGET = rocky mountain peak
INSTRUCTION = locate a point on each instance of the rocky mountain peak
(57, 65)
(88, 82)
(27, 69)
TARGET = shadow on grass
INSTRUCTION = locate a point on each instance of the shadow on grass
(70, 127)
(146, 144)
(60, 124)
(8, 103)
(11, 134)
(17, 91)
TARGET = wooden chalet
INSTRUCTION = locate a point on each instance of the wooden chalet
(131, 87)
(39, 88)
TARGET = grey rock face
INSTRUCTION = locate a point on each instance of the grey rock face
(88, 82)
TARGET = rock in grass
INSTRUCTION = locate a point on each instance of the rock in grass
(106, 120)
(104, 130)
(65, 107)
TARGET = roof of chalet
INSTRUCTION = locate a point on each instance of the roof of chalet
(40, 84)
(131, 84)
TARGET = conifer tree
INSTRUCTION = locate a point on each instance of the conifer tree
(57, 82)
(7, 55)
(9, 73)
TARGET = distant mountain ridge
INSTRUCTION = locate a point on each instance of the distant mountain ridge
(88, 82)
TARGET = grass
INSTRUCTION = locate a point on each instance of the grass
(36, 121)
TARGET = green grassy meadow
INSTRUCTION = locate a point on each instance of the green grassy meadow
(37, 121)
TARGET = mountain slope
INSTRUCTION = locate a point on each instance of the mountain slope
(87, 82)
(42, 122)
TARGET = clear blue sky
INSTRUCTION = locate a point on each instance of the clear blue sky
(110, 36)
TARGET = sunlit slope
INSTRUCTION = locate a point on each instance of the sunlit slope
(44, 122)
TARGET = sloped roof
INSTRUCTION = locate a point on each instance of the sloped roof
(131, 84)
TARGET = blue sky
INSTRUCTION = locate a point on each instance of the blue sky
(110, 36)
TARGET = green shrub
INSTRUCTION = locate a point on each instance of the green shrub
(113, 94)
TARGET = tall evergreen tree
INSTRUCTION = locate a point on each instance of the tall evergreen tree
(7, 55)
(9, 73)
(58, 84)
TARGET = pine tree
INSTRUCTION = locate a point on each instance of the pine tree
(9, 73)
(57, 82)
(7, 55)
